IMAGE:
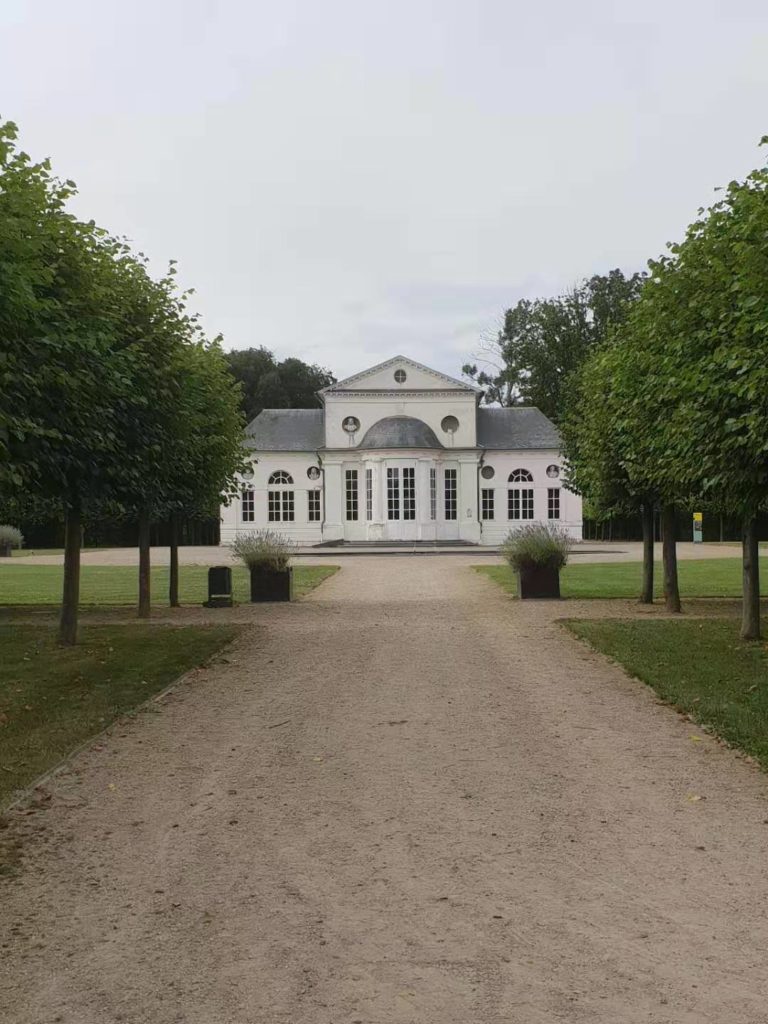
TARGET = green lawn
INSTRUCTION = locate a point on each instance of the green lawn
(701, 668)
(116, 585)
(52, 698)
(707, 577)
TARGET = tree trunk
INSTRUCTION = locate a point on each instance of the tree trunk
(647, 514)
(750, 615)
(173, 582)
(70, 599)
(669, 552)
(144, 549)
(722, 531)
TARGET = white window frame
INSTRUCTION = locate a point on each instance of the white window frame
(351, 497)
(248, 505)
(368, 495)
(487, 503)
(393, 493)
(553, 503)
(451, 495)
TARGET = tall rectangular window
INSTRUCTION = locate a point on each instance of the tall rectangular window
(393, 493)
(433, 494)
(486, 503)
(409, 492)
(369, 494)
(450, 493)
(280, 506)
(351, 492)
(520, 503)
(553, 502)
(248, 506)
(313, 506)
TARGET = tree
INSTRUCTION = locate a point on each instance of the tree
(95, 357)
(61, 373)
(544, 341)
(705, 326)
(270, 384)
(594, 432)
(209, 439)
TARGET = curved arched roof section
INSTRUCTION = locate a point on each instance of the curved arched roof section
(399, 432)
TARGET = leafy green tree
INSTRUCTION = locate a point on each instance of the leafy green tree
(95, 360)
(594, 431)
(705, 329)
(62, 373)
(270, 384)
(544, 341)
(209, 439)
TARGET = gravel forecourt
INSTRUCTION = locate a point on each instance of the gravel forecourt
(405, 799)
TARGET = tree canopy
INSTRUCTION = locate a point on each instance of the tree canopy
(544, 341)
(101, 371)
(272, 384)
(685, 403)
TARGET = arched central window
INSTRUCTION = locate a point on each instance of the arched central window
(280, 505)
(280, 477)
(520, 499)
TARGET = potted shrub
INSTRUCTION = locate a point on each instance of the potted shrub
(266, 555)
(10, 538)
(537, 553)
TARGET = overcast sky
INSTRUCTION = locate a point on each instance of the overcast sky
(345, 180)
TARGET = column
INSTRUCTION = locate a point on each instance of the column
(469, 520)
(333, 527)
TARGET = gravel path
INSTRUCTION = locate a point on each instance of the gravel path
(589, 551)
(404, 800)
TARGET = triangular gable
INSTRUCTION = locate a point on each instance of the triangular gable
(417, 378)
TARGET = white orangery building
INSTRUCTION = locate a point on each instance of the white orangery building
(401, 453)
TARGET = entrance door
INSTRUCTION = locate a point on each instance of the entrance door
(400, 501)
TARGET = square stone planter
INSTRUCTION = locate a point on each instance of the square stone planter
(271, 585)
(538, 581)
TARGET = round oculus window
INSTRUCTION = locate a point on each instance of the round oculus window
(553, 472)
(450, 424)
(247, 474)
(487, 472)
(313, 473)
(351, 424)
(400, 376)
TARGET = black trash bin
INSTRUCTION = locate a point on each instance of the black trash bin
(219, 587)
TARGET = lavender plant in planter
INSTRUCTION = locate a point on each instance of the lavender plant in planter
(537, 553)
(10, 538)
(266, 554)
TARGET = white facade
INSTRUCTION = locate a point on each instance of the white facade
(401, 453)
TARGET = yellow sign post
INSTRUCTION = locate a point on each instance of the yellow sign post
(698, 527)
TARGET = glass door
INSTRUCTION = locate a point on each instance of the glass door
(401, 503)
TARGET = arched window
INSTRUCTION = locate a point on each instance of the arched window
(280, 506)
(520, 499)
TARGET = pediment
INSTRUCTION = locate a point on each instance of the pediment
(400, 374)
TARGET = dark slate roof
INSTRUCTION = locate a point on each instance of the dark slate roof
(518, 427)
(301, 430)
(286, 430)
(400, 432)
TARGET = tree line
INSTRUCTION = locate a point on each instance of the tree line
(114, 406)
(671, 409)
(112, 401)
(659, 383)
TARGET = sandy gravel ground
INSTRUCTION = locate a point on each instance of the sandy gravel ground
(403, 800)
